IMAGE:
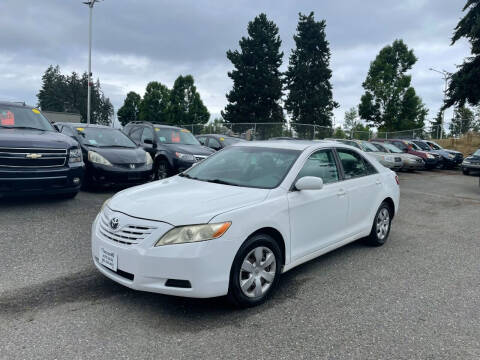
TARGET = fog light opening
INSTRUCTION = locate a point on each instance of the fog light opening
(76, 181)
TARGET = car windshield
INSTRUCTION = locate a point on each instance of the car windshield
(368, 147)
(435, 146)
(415, 146)
(477, 153)
(104, 137)
(380, 147)
(175, 136)
(422, 145)
(257, 167)
(230, 141)
(392, 148)
(14, 117)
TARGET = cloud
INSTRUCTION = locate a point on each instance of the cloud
(137, 41)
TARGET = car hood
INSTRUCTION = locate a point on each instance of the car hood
(191, 149)
(120, 155)
(27, 138)
(181, 201)
(473, 157)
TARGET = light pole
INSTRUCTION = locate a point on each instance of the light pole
(90, 4)
(446, 76)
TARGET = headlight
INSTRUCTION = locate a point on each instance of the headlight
(430, 156)
(148, 159)
(193, 233)
(98, 159)
(466, 161)
(186, 157)
(75, 155)
(451, 156)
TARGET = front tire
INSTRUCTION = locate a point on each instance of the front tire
(255, 271)
(381, 226)
(162, 170)
(466, 172)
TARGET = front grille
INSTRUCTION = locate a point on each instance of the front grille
(128, 234)
(32, 158)
(200, 157)
(397, 159)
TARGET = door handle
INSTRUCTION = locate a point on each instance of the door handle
(378, 182)
(341, 193)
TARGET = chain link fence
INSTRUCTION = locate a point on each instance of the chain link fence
(265, 131)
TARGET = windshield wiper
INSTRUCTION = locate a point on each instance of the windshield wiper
(218, 181)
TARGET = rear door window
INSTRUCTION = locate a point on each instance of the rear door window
(353, 164)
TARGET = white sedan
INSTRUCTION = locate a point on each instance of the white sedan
(233, 223)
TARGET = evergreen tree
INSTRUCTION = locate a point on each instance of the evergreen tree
(465, 83)
(51, 96)
(436, 130)
(463, 121)
(257, 84)
(389, 102)
(186, 105)
(131, 108)
(309, 99)
(155, 106)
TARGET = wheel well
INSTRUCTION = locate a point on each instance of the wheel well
(276, 235)
(161, 157)
(390, 203)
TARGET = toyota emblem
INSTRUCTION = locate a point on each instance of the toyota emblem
(114, 222)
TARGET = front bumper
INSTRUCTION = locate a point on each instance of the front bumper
(41, 181)
(142, 266)
(102, 174)
(470, 166)
(411, 164)
(431, 163)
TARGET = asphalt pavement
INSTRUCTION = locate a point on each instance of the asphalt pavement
(417, 297)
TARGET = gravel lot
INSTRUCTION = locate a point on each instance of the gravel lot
(417, 297)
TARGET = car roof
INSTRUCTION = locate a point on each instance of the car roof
(168, 127)
(219, 136)
(290, 144)
(85, 125)
(20, 104)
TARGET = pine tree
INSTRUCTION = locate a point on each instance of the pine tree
(130, 109)
(465, 83)
(51, 96)
(257, 83)
(186, 105)
(310, 99)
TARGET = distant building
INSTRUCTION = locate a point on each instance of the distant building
(54, 116)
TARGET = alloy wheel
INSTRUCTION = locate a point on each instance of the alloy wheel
(383, 223)
(162, 170)
(258, 272)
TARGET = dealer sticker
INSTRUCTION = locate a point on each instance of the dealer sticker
(108, 259)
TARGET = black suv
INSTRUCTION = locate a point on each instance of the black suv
(34, 157)
(173, 149)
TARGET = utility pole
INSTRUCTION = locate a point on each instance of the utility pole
(446, 76)
(90, 4)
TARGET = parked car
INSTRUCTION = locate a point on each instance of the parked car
(410, 162)
(34, 157)
(431, 160)
(217, 142)
(111, 157)
(234, 222)
(453, 157)
(173, 149)
(471, 163)
(388, 160)
(449, 159)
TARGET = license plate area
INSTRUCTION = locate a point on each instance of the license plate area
(108, 258)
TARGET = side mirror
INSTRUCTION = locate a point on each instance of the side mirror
(309, 183)
(55, 126)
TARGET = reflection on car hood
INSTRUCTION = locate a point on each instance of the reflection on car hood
(121, 155)
(190, 149)
(182, 201)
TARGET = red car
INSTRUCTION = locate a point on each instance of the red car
(431, 159)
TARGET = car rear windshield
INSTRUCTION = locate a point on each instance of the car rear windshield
(256, 167)
(175, 136)
(14, 117)
(104, 137)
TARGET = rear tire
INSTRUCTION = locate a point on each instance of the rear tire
(255, 271)
(466, 172)
(67, 196)
(381, 226)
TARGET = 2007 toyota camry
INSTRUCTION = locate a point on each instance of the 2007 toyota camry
(234, 222)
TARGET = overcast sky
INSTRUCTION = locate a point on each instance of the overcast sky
(137, 41)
